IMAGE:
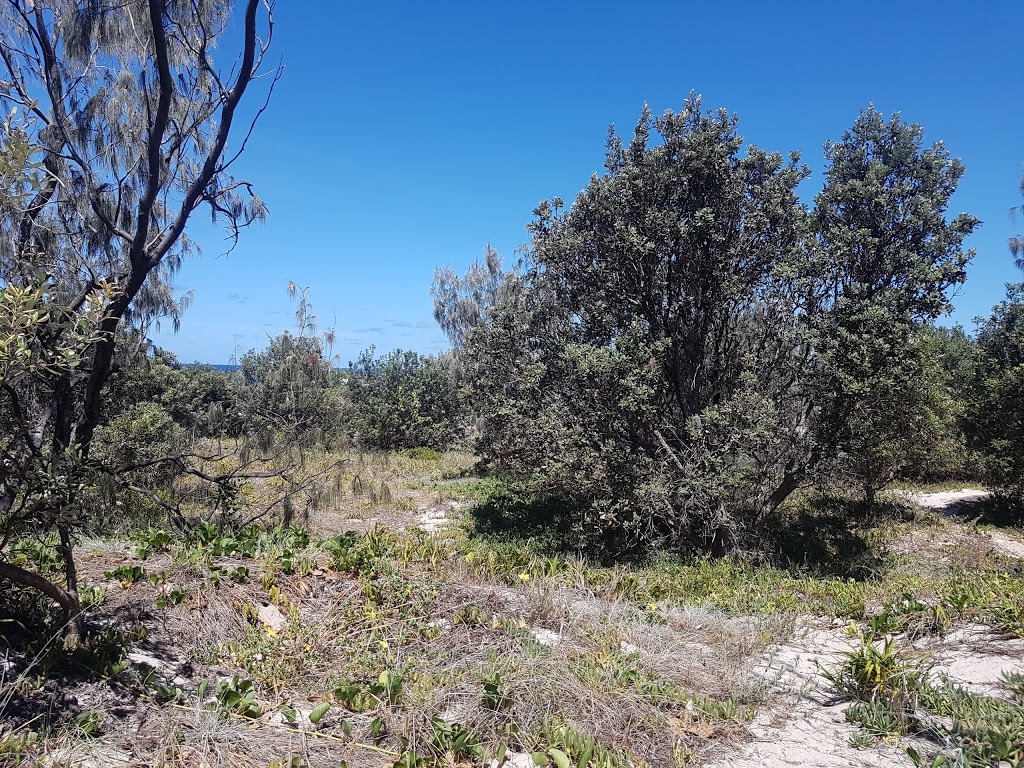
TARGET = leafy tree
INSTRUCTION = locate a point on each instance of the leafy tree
(996, 423)
(644, 372)
(461, 303)
(291, 389)
(39, 339)
(403, 400)
(202, 401)
(687, 344)
(130, 120)
(907, 425)
(886, 258)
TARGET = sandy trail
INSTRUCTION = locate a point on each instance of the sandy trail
(959, 502)
(947, 502)
(806, 727)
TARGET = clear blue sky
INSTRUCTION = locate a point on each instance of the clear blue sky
(408, 135)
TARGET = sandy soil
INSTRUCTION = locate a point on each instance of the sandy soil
(959, 502)
(808, 728)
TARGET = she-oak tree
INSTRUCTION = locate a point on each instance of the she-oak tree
(131, 118)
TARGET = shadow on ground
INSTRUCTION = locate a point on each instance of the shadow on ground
(996, 510)
(824, 536)
(828, 536)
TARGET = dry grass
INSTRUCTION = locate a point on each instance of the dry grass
(496, 638)
(615, 669)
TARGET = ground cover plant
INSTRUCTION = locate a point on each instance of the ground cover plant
(896, 695)
(385, 643)
(685, 432)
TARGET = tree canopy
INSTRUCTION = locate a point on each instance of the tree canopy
(689, 343)
(126, 129)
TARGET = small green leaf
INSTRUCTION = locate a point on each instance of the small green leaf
(319, 711)
(561, 759)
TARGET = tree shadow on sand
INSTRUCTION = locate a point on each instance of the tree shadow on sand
(826, 536)
(996, 510)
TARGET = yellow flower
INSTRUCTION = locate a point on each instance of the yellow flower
(524, 577)
(653, 606)
(309, 647)
(384, 644)
(470, 557)
(271, 632)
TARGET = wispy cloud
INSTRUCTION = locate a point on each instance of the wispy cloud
(421, 325)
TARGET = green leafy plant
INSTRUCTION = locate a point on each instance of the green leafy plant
(345, 552)
(92, 596)
(169, 595)
(126, 575)
(1014, 682)
(42, 552)
(403, 400)
(471, 615)
(563, 746)
(877, 667)
(881, 717)
(319, 711)
(1009, 618)
(88, 723)
(291, 762)
(455, 740)
(495, 697)
(16, 747)
(909, 615)
(238, 696)
(356, 696)
(150, 541)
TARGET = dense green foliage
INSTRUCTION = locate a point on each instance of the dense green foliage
(996, 424)
(648, 328)
(688, 344)
(887, 256)
(201, 400)
(403, 400)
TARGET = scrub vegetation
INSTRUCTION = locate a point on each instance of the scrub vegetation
(700, 417)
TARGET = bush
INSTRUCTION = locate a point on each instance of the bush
(142, 432)
(290, 389)
(403, 400)
(996, 420)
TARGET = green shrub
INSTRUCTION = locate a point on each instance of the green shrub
(403, 400)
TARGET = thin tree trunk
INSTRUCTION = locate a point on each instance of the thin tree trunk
(790, 482)
(869, 499)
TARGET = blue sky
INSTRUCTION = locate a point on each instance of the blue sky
(404, 136)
